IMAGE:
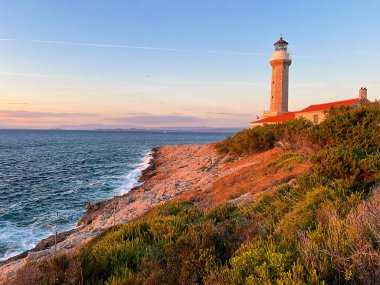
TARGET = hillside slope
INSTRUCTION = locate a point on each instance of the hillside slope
(294, 203)
(187, 173)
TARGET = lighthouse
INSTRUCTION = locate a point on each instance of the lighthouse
(279, 113)
(280, 62)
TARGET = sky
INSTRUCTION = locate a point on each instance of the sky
(176, 63)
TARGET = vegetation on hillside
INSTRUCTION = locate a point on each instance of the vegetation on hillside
(323, 229)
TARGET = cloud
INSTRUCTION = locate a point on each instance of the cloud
(16, 103)
(158, 119)
(136, 114)
(31, 114)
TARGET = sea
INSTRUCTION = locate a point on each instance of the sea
(48, 176)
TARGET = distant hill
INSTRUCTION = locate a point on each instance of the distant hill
(137, 128)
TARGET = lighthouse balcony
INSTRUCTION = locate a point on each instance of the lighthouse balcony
(281, 55)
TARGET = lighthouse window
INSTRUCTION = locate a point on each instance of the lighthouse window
(273, 82)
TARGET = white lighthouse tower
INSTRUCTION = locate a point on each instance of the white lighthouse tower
(280, 62)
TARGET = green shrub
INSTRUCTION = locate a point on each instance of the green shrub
(125, 277)
(248, 141)
(221, 213)
(303, 215)
(262, 138)
(348, 163)
(294, 133)
(351, 127)
(258, 262)
(271, 208)
(286, 160)
(345, 249)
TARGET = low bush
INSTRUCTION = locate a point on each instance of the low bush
(345, 249)
(258, 262)
(249, 141)
(286, 160)
(262, 138)
(349, 163)
(305, 241)
(350, 127)
(357, 127)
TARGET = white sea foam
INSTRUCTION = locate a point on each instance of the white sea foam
(26, 238)
(131, 180)
(20, 239)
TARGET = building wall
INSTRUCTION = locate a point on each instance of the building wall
(320, 116)
(253, 124)
(314, 117)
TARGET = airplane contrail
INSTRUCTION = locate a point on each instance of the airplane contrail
(106, 45)
(143, 47)
(100, 45)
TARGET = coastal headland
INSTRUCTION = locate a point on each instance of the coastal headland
(293, 203)
(196, 173)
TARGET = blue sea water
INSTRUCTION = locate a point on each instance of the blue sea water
(46, 177)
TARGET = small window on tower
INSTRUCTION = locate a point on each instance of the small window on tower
(273, 82)
(272, 97)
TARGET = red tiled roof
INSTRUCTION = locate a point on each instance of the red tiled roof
(312, 108)
(327, 106)
(278, 119)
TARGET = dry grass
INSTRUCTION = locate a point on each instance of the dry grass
(350, 245)
(248, 176)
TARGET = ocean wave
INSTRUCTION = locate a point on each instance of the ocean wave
(15, 240)
(131, 180)
(41, 180)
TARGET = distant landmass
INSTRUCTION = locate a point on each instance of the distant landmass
(94, 127)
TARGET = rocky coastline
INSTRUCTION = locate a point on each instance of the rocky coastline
(195, 173)
(155, 188)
